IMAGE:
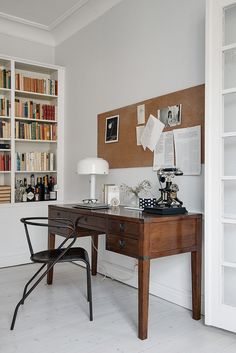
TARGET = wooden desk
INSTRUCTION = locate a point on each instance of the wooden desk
(143, 237)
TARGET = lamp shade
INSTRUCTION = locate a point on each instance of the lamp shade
(92, 166)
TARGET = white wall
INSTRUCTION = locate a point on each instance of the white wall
(13, 244)
(138, 50)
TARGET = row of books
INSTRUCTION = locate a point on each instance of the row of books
(5, 194)
(5, 129)
(5, 78)
(5, 162)
(35, 161)
(35, 131)
(37, 85)
(5, 106)
(32, 110)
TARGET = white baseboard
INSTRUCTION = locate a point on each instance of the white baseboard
(130, 277)
(14, 259)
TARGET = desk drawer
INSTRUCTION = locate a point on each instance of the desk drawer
(122, 245)
(172, 236)
(92, 222)
(83, 221)
(119, 227)
(63, 214)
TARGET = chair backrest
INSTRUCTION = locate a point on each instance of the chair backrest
(52, 224)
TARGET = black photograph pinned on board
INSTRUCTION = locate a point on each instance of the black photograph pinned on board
(112, 129)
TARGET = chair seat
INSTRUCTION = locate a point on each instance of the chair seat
(73, 254)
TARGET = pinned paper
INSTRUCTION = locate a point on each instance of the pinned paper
(188, 150)
(139, 132)
(164, 151)
(151, 133)
(141, 114)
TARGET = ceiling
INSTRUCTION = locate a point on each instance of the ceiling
(49, 21)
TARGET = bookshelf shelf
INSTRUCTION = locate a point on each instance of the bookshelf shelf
(37, 120)
(36, 171)
(6, 90)
(4, 117)
(40, 141)
(28, 94)
(5, 150)
(5, 139)
(5, 171)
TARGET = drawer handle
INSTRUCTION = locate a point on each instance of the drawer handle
(122, 243)
(58, 214)
(122, 227)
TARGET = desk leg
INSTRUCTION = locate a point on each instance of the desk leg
(196, 284)
(94, 254)
(51, 245)
(143, 297)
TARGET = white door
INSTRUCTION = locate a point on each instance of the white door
(220, 182)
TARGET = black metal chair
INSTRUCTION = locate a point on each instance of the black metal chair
(63, 253)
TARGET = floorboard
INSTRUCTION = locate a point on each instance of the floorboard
(55, 318)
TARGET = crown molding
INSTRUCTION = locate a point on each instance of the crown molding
(25, 31)
(23, 21)
(86, 14)
(67, 14)
(73, 20)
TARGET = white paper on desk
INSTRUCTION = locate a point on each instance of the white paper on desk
(139, 132)
(164, 151)
(141, 114)
(151, 133)
(188, 150)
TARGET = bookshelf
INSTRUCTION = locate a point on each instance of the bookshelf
(31, 129)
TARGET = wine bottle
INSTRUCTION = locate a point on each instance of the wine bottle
(36, 191)
(21, 190)
(17, 191)
(24, 196)
(41, 190)
(46, 192)
(30, 193)
(51, 187)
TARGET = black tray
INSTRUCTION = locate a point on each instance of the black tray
(165, 210)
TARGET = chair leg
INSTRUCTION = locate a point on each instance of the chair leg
(89, 292)
(31, 279)
(28, 293)
(15, 314)
(21, 302)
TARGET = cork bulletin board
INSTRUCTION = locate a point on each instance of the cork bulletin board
(125, 153)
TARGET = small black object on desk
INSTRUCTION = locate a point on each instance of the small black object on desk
(165, 210)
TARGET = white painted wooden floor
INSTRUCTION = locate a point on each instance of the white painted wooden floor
(55, 319)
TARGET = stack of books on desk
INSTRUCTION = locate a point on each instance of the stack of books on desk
(5, 194)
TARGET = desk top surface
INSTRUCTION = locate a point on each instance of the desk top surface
(123, 213)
